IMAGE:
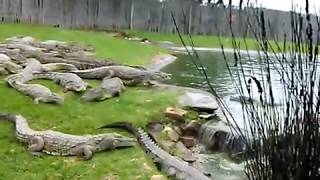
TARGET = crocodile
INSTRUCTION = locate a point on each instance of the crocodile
(107, 89)
(175, 168)
(3, 71)
(130, 75)
(61, 144)
(68, 81)
(19, 77)
(8, 65)
(63, 67)
(37, 92)
(32, 65)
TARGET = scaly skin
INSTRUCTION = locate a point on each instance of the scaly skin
(60, 144)
(3, 71)
(68, 81)
(37, 92)
(107, 89)
(31, 66)
(59, 67)
(8, 65)
(133, 76)
(172, 166)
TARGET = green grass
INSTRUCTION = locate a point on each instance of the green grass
(200, 40)
(137, 105)
(120, 50)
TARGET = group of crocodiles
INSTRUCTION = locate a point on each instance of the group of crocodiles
(36, 63)
(61, 144)
(27, 59)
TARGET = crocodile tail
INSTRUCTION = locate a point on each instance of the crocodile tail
(123, 125)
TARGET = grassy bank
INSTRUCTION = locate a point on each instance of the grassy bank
(137, 105)
(201, 40)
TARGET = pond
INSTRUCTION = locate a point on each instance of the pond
(185, 73)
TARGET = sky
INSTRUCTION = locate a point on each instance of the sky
(285, 4)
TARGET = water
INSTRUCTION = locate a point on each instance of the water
(185, 73)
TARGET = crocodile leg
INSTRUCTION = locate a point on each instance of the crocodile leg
(37, 100)
(66, 89)
(86, 152)
(36, 145)
(110, 75)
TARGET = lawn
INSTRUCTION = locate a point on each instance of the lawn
(202, 40)
(120, 50)
(137, 105)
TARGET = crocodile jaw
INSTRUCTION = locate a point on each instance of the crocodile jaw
(123, 142)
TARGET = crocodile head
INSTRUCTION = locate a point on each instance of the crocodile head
(55, 98)
(78, 88)
(95, 94)
(111, 141)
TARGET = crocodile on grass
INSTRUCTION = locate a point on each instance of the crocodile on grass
(130, 75)
(107, 89)
(8, 65)
(31, 66)
(63, 67)
(175, 168)
(60, 144)
(68, 81)
(37, 92)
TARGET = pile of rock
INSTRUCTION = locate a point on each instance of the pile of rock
(180, 135)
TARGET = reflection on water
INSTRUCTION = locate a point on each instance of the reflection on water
(184, 73)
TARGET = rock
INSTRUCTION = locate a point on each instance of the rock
(154, 127)
(206, 116)
(188, 141)
(192, 128)
(171, 134)
(201, 101)
(184, 152)
(175, 113)
(157, 177)
(167, 145)
(178, 130)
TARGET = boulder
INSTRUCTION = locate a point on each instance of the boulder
(188, 141)
(199, 100)
(207, 116)
(166, 145)
(154, 127)
(157, 177)
(184, 153)
(175, 113)
(192, 128)
(171, 134)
